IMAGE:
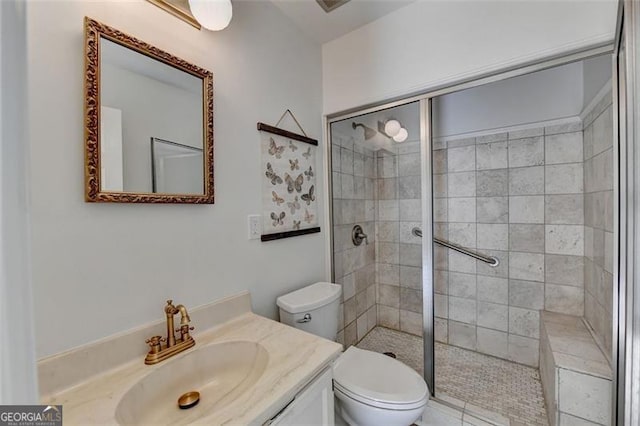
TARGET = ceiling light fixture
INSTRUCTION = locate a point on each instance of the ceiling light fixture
(402, 135)
(392, 127)
(213, 15)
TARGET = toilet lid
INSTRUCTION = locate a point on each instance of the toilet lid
(372, 377)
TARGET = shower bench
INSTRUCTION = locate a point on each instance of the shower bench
(576, 376)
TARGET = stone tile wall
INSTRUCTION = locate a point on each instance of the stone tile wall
(354, 178)
(598, 220)
(517, 196)
(399, 252)
(521, 196)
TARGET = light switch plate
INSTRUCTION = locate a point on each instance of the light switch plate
(255, 226)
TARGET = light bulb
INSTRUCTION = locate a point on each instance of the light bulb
(213, 15)
(401, 136)
(392, 127)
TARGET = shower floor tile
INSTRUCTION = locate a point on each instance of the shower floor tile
(489, 387)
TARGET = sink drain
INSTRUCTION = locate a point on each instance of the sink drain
(189, 400)
(391, 354)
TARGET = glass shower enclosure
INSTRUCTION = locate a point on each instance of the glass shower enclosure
(381, 186)
(463, 217)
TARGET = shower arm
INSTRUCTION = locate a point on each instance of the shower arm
(368, 131)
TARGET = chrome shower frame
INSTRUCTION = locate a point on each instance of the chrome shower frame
(626, 66)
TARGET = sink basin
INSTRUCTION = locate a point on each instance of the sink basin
(220, 372)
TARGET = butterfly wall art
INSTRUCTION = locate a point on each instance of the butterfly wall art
(294, 184)
(290, 198)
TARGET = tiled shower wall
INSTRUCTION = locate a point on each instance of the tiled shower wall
(598, 220)
(517, 196)
(520, 196)
(354, 175)
(399, 252)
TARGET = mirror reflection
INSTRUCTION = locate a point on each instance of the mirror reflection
(151, 124)
(175, 168)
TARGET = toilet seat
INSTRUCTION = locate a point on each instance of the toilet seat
(377, 380)
(378, 404)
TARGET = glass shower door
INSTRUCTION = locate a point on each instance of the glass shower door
(381, 180)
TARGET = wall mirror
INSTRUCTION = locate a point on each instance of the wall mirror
(149, 122)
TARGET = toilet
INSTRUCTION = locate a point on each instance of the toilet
(370, 388)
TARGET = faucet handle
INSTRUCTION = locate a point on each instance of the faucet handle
(155, 339)
(184, 332)
(155, 343)
(358, 235)
(170, 302)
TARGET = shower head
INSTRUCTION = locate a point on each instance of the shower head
(368, 132)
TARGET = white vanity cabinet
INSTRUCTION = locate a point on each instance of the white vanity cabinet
(312, 406)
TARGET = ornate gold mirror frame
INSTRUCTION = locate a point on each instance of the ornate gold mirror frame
(94, 31)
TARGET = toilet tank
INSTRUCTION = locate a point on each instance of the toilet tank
(314, 309)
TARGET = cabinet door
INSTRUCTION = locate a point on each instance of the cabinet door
(312, 406)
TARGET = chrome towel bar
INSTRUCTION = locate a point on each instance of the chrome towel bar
(491, 260)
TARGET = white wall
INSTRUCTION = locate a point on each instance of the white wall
(597, 73)
(431, 43)
(103, 268)
(150, 108)
(544, 95)
(17, 357)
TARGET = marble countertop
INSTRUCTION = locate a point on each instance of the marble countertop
(294, 359)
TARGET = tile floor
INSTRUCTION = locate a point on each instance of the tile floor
(463, 378)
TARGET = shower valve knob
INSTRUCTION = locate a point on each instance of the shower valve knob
(358, 235)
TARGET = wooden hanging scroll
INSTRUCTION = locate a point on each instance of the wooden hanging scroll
(289, 190)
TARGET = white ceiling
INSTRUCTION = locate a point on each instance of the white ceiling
(324, 27)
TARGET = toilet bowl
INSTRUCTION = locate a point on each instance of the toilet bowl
(374, 389)
(370, 388)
